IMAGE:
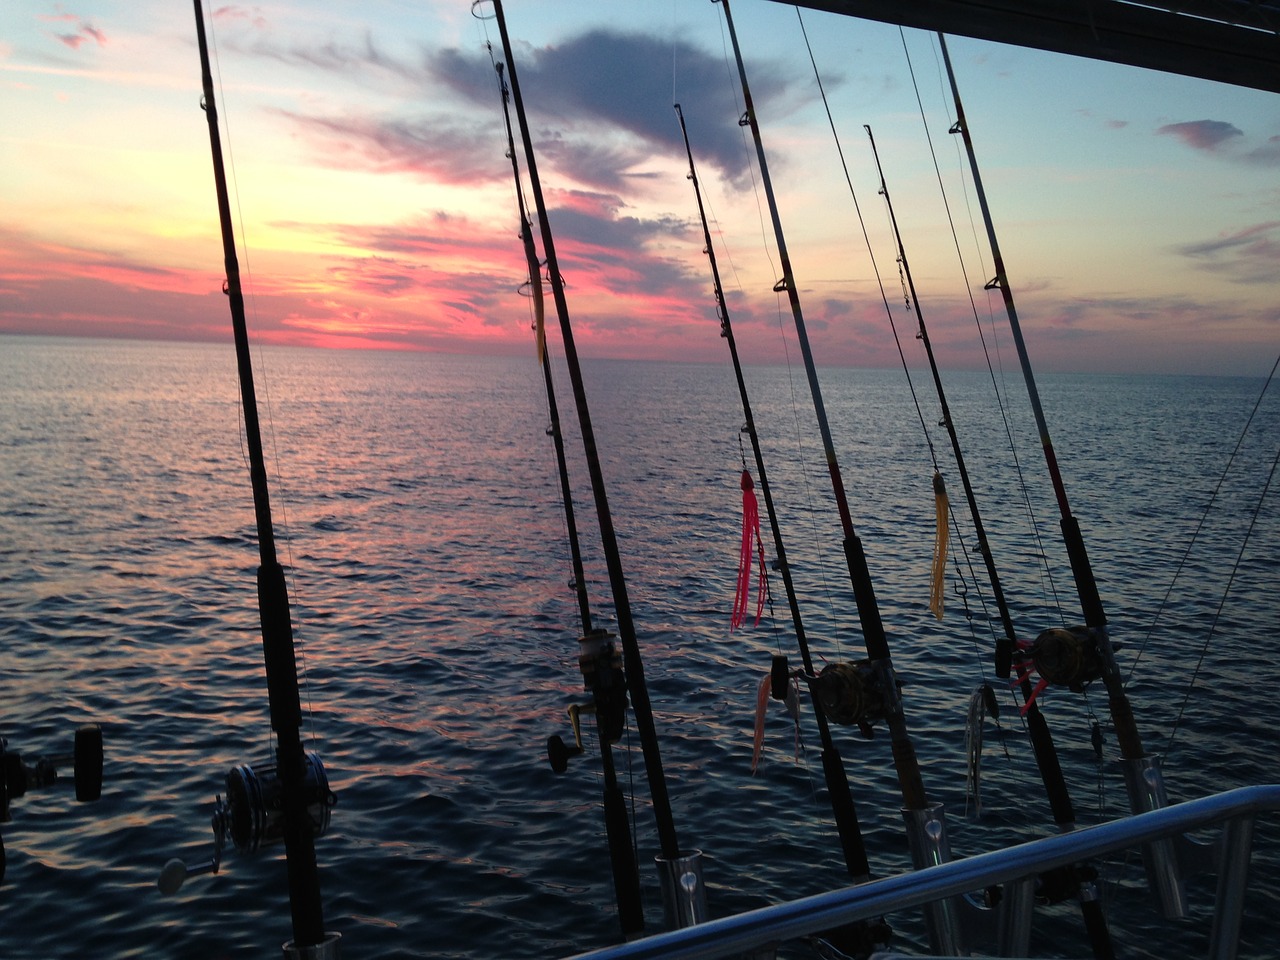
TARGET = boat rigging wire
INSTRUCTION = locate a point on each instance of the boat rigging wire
(1195, 534)
(1235, 567)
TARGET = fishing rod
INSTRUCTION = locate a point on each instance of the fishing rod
(684, 905)
(868, 691)
(601, 665)
(842, 806)
(833, 766)
(1077, 656)
(1042, 745)
(297, 775)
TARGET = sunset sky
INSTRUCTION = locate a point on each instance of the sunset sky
(1139, 214)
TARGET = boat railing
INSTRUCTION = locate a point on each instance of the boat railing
(754, 932)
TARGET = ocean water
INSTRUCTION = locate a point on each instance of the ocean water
(418, 514)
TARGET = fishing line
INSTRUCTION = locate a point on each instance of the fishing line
(800, 458)
(844, 813)
(522, 203)
(1006, 646)
(674, 36)
(1203, 518)
(961, 581)
(285, 536)
(726, 332)
(1001, 403)
(1023, 487)
(952, 518)
(844, 166)
(874, 635)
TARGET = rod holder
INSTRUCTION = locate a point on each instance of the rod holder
(326, 949)
(17, 776)
(1233, 883)
(927, 838)
(684, 892)
(1013, 917)
(1145, 784)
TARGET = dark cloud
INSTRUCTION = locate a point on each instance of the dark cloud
(617, 244)
(1213, 136)
(1202, 134)
(441, 150)
(596, 164)
(600, 104)
(603, 81)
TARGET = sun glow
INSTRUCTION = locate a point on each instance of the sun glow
(374, 205)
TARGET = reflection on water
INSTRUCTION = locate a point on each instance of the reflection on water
(418, 505)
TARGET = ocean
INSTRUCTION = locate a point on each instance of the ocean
(418, 515)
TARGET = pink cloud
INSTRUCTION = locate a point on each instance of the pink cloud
(1202, 134)
(253, 17)
(85, 31)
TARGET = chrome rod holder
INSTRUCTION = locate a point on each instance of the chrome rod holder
(684, 892)
(927, 838)
(1145, 784)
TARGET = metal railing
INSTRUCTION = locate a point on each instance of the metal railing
(746, 933)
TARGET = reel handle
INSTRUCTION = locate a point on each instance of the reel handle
(559, 752)
(175, 872)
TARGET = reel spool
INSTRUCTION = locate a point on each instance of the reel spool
(253, 815)
(1067, 657)
(851, 694)
(848, 693)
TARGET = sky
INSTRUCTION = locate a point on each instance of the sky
(1138, 213)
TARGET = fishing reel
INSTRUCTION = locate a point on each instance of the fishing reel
(601, 664)
(1066, 656)
(17, 776)
(252, 816)
(848, 693)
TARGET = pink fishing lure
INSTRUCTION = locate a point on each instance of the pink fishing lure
(751, 543)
